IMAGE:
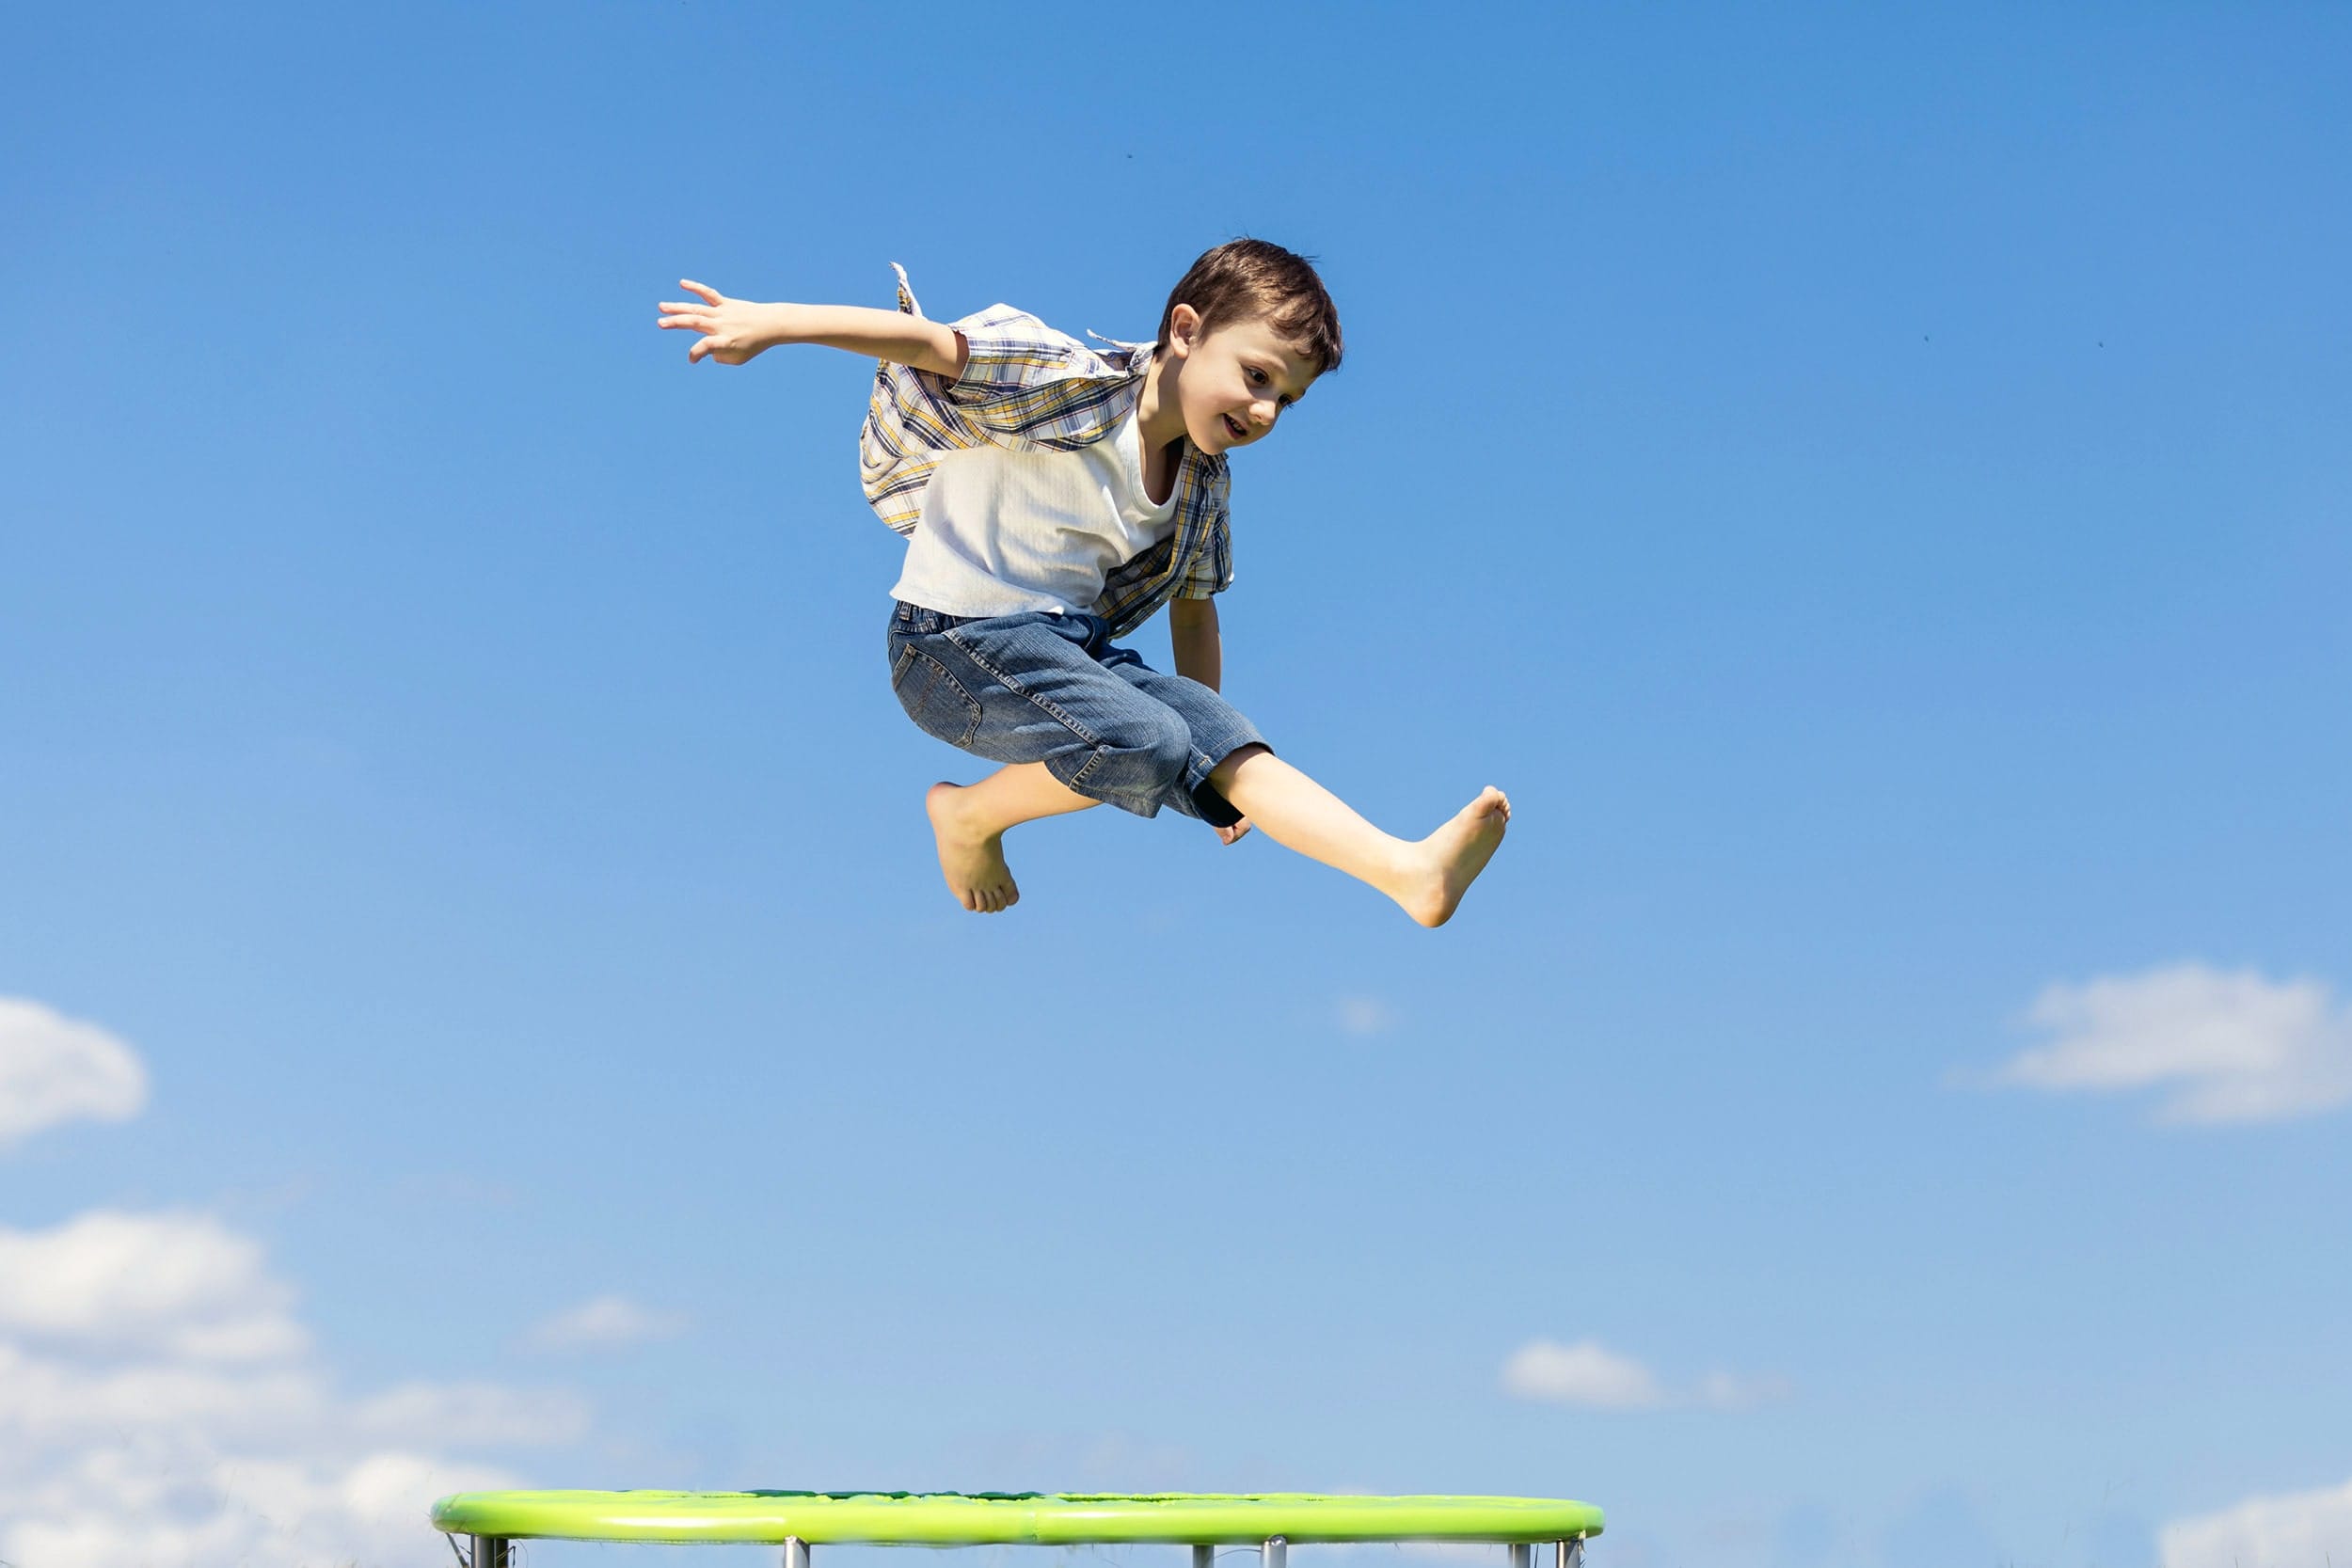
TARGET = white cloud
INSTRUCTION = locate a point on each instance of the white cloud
(174, 1284)
(1589, 1374)
(54, 1069)
(2218, 1047)
(158, 1403)
(52, 1398)
(187, 1504)
(1363, 1015)
(1583, 1374)
(159, 1400)
(2294, 1529)
(605, 1323)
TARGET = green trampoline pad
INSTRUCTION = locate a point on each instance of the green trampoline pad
(1025, 1519)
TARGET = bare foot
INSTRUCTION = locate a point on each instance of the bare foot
(972, 861)
(1448, 861)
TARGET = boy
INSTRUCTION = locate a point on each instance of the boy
(1055, 497)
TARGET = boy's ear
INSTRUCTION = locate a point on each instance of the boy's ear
(1184, 329)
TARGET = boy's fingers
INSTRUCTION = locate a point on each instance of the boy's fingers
(702, 346)
(711, 295)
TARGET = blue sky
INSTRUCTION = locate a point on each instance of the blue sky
(1871, 485)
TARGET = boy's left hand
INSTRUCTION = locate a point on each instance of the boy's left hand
(733, 330)
(1234, 834)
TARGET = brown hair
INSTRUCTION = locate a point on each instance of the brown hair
(1256, 280)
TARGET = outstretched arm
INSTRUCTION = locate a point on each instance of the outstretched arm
(733, 330)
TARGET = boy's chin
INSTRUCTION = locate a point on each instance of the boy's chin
(1214, 438)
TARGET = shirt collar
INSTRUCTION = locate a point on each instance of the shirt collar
(1134, 361)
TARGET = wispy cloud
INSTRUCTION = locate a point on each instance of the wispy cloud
(2216, 1046)
(2280, 1531)
(605, 1323)
(55, 1070)
(489, 1414)
(1363, 1015)
(1590, 1375)
(1730, 1391)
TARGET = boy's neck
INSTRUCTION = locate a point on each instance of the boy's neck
(1159, 415)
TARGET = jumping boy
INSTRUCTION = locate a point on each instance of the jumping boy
(1053, 497)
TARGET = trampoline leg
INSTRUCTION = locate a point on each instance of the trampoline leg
(1203, 1557)
(489, 1551)
(1522, 1555)
(795, 1552)
(1276, 1553)
(1569, 1554)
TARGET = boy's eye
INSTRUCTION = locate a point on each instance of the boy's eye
(1257, 376)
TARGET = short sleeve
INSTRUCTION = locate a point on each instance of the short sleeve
(1012, 352)
(1212, 574)
(1026, 384)
(1211, 570)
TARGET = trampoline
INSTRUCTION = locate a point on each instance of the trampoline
(798, 1521)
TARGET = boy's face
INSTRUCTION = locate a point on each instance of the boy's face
(1235, 381)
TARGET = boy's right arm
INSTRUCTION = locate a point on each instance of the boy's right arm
(733, 330)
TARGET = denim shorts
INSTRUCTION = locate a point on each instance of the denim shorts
(1050, 689)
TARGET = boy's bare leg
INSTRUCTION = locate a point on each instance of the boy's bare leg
(969, 821)
(1427, 878)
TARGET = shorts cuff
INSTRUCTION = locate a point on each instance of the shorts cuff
(1208, 801)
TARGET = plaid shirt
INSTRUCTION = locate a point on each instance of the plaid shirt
(1034, 390)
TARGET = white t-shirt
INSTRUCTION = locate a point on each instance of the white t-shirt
(1005, 531)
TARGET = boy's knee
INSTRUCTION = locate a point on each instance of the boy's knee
(1171, 749)
(1161, 744)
